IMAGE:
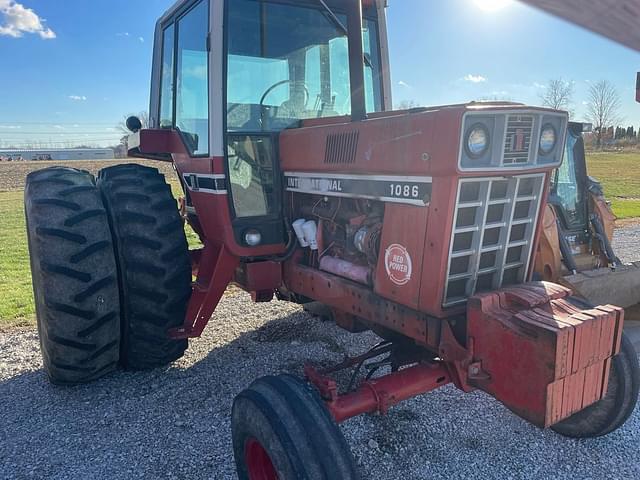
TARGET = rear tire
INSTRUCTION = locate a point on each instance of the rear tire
(614, 409)
(153, 263)
(74, 275)
(282, 430)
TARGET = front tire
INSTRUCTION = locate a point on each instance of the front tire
(282, 430)
(153, 263)
(74, 275)
(611, 412)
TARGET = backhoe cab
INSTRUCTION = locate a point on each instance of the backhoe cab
(420, 225)
(576, 242)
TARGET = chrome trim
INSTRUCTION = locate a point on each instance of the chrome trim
(502, 118)
(189, 179)
(506, 224)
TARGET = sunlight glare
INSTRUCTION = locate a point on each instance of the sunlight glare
(492, 5)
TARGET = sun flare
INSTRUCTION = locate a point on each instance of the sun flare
(492, 5)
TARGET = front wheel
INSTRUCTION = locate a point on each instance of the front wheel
(614, 409)
(282, 431)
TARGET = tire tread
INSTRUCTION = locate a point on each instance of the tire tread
(71, 251)
(143, 235)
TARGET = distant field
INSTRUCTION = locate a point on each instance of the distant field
(620, 177)
(13, 174)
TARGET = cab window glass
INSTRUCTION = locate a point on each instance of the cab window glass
(372, 79)
(192, 89)
(568, 189)
(288, 62)
(166, 80)
(251, 175)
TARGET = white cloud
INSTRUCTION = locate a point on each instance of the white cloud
(539, 85)
(141, 39)
(474, 78)
(122, 34)
(197, 71)
(18, 20)
(78, 98)
(404, 84)
(10, 127)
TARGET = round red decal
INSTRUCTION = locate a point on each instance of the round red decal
(398, 263)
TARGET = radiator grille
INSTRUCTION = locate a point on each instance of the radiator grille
(492, 237)
(341, 148)
(518, 139)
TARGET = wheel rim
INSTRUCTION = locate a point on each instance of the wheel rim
(259, 465)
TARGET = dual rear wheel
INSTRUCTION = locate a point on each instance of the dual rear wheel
(110, 268)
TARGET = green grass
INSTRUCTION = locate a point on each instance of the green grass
(625, 209)
(619, 174)
(16, 298)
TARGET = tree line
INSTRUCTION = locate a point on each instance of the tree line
(603, 106)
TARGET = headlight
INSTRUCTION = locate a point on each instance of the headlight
(547, 139)
(477, 141)
(253, 238)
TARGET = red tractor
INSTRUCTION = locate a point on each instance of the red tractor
(419, 225)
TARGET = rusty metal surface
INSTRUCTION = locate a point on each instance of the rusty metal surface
(379, 394)
(615, 19)
(216, 269)
(358, 300)
(538, 353)
(605, 285)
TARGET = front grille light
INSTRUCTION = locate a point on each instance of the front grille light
(515, 138)
(493, 233)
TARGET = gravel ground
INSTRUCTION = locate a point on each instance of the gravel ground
(174, 423)
(626, 242)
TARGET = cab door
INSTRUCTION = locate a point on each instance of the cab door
(568, 194)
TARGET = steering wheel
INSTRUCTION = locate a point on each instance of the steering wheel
(284, 82)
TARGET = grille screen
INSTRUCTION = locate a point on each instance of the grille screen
(518, 140)
(491, 242)
(341, 148)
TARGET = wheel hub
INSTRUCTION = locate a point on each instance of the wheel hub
(259, 465)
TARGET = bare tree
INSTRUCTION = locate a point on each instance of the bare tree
(496, 97)
(407, 105)
(558, 95)
(603, 108)
(122, 126)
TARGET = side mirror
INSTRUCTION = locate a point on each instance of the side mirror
(134, 124)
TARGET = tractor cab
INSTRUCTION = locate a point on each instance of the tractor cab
(230, 76)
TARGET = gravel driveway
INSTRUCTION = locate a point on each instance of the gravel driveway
(174, 423)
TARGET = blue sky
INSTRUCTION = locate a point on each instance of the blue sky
(70, 70)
